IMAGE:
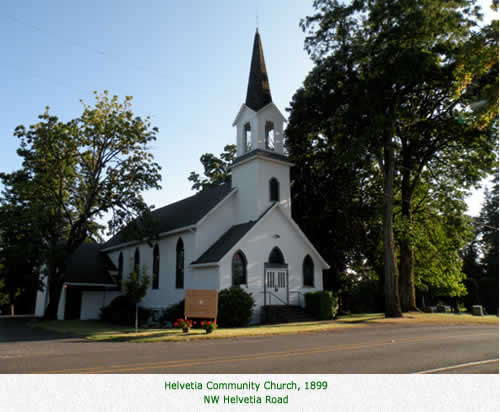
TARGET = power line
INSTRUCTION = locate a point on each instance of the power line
(103, 53)
(45, 79)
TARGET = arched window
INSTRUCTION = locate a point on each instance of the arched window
(239, 269)
(247, 137)
(137, 260)
(269, 135)
(274, 190)
(276, 257)
(179, 265)
(120, 271)
(308, 271)
(156, 267)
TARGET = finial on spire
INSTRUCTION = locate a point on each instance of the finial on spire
(257, 16)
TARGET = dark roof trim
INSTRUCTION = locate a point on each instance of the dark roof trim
(140, 241)
(262, 154)
(92, 286)
(180, 215)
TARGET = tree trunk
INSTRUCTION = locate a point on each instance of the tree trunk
(136, 317)
(54, 296)
(55, 284)
(391, 292)
(11, 309)
(407, 259)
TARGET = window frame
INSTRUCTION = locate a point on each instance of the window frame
(310, 262)
(119, 277)
(137, 259)
(179, 264)
(274, 190)
(282, 257)
(244, 263)
(247, 137)
(155, 284)
(268, 128)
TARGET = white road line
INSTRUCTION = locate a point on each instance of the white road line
(463, 365)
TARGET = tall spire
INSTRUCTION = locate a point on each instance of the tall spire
(258, 92)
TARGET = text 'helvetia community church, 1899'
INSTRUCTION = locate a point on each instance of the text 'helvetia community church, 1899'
(237, 234)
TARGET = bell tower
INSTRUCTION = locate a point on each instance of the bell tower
(261, 170)
(259, 123)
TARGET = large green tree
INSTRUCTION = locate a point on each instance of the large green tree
(440, 231)
(374, 62)
(488, 227)
(21, 244)
(449, 128)
(79, 170)
(216, 169)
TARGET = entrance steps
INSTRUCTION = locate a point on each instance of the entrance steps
(285, 314)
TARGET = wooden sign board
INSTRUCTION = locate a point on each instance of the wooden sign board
(201, 303)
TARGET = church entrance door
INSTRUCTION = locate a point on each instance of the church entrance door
(276, 285)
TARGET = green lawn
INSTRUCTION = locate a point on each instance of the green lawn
(101, 331)
(420, 317)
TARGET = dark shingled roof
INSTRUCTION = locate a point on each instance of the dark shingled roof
(217, 251)
(258, 92)
(89, 265)
(265, 153)
(183, 213)
(224, 243)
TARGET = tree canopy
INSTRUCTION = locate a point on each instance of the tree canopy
(216, 169)
(74, 172)
(397, 102)
(488, 221)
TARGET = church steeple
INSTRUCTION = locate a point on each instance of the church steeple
(258, 92)
(261, 169)
(259, 122)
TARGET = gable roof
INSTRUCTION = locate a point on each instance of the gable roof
(185, 212)
(269, 106)
(217, 251)
(259, 91)
(226, 242)
(236, 233)
(88, 264)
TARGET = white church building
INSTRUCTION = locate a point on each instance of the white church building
(237, 234)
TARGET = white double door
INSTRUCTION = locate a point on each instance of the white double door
(277, 286)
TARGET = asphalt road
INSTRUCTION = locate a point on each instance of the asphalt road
(371, 349)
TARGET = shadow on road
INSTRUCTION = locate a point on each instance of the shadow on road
(364, 320)
(18, 330)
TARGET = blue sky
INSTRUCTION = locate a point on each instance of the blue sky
(186, 64)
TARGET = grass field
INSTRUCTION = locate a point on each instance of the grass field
(101, 331)
(419, 317)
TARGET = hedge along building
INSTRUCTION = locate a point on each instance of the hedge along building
(237, 234)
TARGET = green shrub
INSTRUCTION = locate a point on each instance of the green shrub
(235, 307)
(174, 312)
(472, 297)
(488, 294)
(366, 296)
(322, 304)
(121, 311)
